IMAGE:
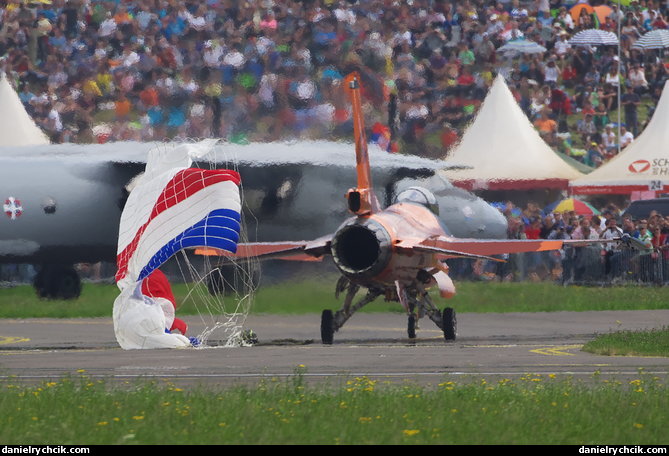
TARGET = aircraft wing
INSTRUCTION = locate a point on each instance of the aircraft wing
(473, 248)
(290, 250)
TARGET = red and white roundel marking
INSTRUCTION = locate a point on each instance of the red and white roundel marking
(639, 166)
(12, 208)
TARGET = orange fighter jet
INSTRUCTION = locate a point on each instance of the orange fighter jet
(398, 252)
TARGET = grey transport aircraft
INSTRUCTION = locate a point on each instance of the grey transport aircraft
(62, 203)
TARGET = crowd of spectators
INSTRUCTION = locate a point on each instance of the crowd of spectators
(265, 70)
(645, 257)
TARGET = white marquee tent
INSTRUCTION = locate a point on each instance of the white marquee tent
(643, 166)
(16, 126)
(505, 151)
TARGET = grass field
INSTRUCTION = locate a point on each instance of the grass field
(531, 410)
(312, 296)
(626, 343)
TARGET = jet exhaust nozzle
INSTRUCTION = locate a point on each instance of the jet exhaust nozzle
(361, 249)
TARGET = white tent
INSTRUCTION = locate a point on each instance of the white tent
(643, 166)
(16, 126)
(505, 151)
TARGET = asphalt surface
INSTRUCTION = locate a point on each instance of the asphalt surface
(372, 345)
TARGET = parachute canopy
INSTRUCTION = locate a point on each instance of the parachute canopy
(172, 207)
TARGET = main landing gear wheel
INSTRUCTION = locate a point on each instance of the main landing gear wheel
(57, 282)
(448, 323)
(327, 327)
(411, 326)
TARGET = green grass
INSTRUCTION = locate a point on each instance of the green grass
(312, 296)
(533, 409)
(550, 297)
(631, 343)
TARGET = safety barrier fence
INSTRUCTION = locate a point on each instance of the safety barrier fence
(590, 265)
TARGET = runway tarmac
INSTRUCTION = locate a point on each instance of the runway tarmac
(372, 345)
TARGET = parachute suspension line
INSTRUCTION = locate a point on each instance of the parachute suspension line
(223, 314)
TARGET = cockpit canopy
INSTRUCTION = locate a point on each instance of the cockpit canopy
(419, 195)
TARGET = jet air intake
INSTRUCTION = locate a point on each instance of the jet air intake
(361, 249)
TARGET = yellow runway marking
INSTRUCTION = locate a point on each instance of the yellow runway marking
(558, 350)
(4, 340)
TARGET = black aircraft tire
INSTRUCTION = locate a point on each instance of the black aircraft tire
(57, 282)
(226, 280)
(216, 282)
(411, 326)
(327, 327)
(69, 284)
(449, 323)
(40, 283)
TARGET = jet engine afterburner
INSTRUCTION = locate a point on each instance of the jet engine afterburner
(361, 249)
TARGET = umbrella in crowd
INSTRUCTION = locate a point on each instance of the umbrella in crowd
(594, 37)
(578, 9)
(571, 204)
(602, 12)
(43, 2)
(655, 39)
(521, 46)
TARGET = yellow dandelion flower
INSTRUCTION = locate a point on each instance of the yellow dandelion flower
(103, 423)
(138, 417)
(638, 425)
(410, 432)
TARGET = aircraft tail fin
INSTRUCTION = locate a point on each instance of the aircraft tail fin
(361, 200)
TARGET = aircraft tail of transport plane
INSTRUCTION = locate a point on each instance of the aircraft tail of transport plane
(397, 253)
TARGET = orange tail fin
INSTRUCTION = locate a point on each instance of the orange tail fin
(361, 200)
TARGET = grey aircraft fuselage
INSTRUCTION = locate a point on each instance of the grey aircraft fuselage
(71, 197)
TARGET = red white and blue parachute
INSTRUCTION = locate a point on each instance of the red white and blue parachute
(172, 207)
